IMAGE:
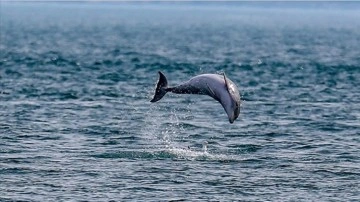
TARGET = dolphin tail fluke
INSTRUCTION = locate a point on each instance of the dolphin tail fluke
(161, 88)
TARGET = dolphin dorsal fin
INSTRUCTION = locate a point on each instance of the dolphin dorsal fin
(226, 81)
(212, 93)
(228, 84)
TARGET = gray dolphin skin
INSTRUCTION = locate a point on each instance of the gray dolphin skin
(219, 87)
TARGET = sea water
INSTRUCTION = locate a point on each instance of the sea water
(76, 123)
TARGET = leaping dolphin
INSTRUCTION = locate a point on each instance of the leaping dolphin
(216, 86)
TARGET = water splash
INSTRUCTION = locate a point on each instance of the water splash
(205, 143)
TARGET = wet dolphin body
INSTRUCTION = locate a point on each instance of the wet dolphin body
(216, 86)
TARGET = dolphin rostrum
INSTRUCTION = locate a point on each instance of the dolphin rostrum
(216, 86)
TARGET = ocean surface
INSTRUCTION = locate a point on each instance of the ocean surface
(76, 123)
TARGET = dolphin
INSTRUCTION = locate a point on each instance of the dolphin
(219, 87)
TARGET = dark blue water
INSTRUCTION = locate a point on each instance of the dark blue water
(76, 123)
